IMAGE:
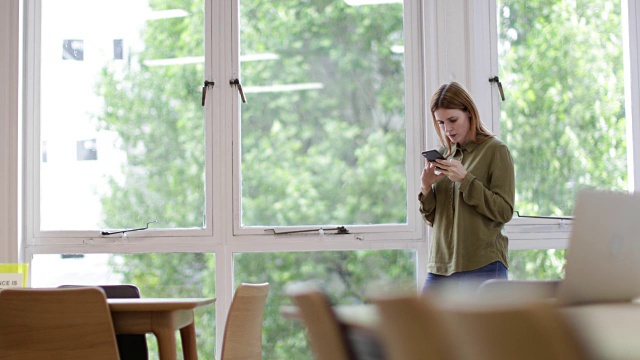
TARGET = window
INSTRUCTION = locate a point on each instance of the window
(561, 65)
(323, 133)
(347, 276)
(86, 150)
(144, 114)
(73, 50)
(151, 273)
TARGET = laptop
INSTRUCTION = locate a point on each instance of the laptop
(603, 255)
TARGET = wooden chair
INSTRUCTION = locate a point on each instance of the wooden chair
(526, 332)
(326, 335)
(412, 328)
(56, 324)
(130, 346)
(243, 328)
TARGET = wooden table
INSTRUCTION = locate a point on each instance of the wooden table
(162, 317)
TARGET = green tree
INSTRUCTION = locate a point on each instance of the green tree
(321, 156)
(156, 113)
(564, 117)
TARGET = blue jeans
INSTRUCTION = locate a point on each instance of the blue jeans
(495, 270)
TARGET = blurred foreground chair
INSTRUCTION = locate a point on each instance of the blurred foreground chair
(243, 328)
(514, 291)
(327, 336)
(529, 331)
(56, 324)
(130, 346)
(412, 328)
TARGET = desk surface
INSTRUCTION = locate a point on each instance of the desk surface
(157, 304)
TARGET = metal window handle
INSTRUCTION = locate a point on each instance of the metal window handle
(237, 83)
(105, 233)
(496, 79)
(204, 89)
(340, 230)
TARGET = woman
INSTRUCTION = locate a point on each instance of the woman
(467, 198)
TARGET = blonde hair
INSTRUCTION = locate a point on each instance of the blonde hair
(454, 97)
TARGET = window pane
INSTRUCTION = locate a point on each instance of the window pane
(122, 140)
(323, 130)
(545, 264)
(561, 65)
(346, 276)
(189, 275)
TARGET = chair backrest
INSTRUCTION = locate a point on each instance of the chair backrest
(119, 291)
(326, 335)
(525, 332)
(243, 328)
(412, 328)
(130, 346)
(56, 324)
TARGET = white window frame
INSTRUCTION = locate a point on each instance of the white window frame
(447, 23)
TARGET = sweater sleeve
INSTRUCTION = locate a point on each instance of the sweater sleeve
(495, 200)
(428, 206)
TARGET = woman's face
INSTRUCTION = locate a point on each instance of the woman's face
(454, 124)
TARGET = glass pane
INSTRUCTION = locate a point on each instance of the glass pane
(545, 264)
(323, 130)
(561, 65)
(122, 128)
(346, 276)
(156, 275)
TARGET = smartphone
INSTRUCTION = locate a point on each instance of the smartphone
(433, 155)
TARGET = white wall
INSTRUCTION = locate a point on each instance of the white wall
(9, 135)
(455, 50)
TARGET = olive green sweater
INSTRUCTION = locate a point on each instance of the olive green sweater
(468, 217)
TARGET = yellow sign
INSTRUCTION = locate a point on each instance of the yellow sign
(13, 275)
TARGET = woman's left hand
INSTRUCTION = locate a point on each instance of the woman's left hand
(453, 169)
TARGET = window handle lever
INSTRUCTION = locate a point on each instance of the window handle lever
(105, 233)
(496, 79)
(340, 230)
(236, 82)
(207, 83)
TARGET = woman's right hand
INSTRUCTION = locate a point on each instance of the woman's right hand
(429, 177)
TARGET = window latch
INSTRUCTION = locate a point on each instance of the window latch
(104, 233)
(207, 83)
(236, 82)
(340, 230)
(543, 217)
(496, 79)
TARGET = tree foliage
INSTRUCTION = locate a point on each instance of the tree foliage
(564, 117)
